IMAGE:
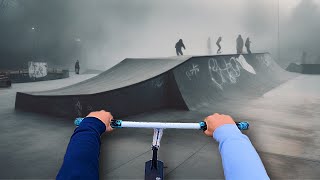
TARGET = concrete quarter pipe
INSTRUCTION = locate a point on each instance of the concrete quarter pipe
(139, 85)
(205, 82)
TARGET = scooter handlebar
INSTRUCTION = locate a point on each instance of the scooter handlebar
(164, 125)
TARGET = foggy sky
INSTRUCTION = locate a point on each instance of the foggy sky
(299, 24)
(301, 31)
(101, 33)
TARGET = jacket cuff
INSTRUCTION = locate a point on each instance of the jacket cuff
(226, 131)
(94, 123)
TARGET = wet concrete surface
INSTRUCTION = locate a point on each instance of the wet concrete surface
(284, 129)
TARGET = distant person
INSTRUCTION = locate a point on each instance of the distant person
(239, 44)
(77, 67)
(179, 46)
(247, 44)
(304, 58)
(218, 44)
(209, 46)
(239, 158)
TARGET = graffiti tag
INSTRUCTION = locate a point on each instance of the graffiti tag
(37, 69)
(78, 108)
(193, 71)
(158, 83)
(229, 71)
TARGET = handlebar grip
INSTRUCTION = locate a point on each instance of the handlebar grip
(241, 125)
(114, 123)
(78, 121)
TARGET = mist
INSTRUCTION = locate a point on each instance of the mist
(299, 33)
(297, 23)
(102, 33)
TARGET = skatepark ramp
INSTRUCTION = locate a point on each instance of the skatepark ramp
(139, 85)
(205, 82)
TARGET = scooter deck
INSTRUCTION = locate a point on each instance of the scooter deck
(152, 173)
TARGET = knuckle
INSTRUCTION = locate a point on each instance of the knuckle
(216, 115)
(228, 117)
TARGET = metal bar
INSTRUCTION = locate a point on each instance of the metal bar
(160, 125)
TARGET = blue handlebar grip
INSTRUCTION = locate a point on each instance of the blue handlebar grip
(203, 125)
(77, 121)
(242, 125)
(114, 123)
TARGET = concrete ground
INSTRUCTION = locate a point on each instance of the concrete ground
(285, 129)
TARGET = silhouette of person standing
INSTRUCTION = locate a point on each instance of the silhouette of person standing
(77, 67)
(209, 46)
(218, 44)
(304, 57)
(179, 46)
(247, 44)
(239, 44)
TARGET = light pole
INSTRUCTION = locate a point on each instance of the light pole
(78, 47)
(35, 34)
(33, 31)
(278, 30)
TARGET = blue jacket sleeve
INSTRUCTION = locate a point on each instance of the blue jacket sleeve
(81, 160)
(239, 158)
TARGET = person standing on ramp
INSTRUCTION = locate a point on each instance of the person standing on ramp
(247, 44)
(239, 44)
(179, 46)
(218, 44)
(209, 46)
(77, 67)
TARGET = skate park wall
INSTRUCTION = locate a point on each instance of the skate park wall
(140, 85)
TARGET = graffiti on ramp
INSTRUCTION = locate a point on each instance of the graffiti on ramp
(228, 73)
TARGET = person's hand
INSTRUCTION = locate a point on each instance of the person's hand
(216, 120)
(104, 117)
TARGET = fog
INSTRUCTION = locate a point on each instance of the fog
(101, 33)
(300, 32)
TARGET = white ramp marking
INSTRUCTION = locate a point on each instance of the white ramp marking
(242, 61)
